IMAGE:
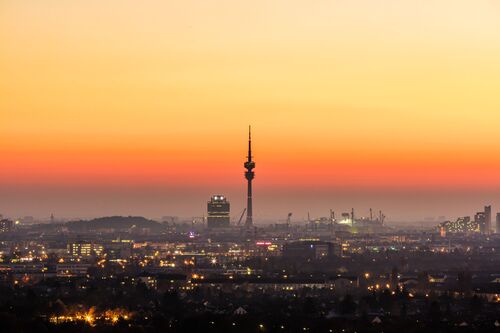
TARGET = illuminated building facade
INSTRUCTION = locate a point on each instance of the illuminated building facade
(72, 269)
(346, 219)
(484, 220)
(6, 225)
(84, 249)
(118, 249)
(461, 225)
(218, 212)
(480, 219)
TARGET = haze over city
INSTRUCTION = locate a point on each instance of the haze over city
(127, 108)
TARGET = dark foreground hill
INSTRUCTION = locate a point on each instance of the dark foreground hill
(118, 223)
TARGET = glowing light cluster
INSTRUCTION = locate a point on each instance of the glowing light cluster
(461, 225)
(91, 317)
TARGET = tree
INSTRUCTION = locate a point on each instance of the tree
(347, 306)
(434, 312)
(309, 306)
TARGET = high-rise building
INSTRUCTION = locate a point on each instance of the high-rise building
(484, 220)
(249, 175)
(218, 212)
(480, 219)
(498, 223)
(6, 225)
(487, 219)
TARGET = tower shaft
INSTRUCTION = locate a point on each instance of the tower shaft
(249, 220)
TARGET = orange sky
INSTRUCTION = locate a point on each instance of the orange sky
(376, 96)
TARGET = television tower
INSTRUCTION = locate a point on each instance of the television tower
(249, 175)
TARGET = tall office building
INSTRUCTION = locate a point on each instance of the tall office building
(6, 225)
(249, 175)
(498, 223)
(218, 212)
(484, 220)
(480, 219)
(487, 218)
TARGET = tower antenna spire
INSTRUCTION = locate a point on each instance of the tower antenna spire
(249, 143)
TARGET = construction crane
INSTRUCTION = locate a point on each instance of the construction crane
(241, 217)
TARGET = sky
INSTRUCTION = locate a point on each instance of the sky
(142, 107)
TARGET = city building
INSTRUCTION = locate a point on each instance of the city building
(308, 250)
(72, 269)
(218, 212)
(498, 223)
(6, 225)
(84, 249)
(483, 219)
(480, 219)
(462, 225)
(487, 217)
(118, 249)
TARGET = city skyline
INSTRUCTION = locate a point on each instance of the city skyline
(140, 109)
(278, 207)
(265, 166)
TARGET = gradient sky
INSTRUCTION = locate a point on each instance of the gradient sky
(142, 107)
